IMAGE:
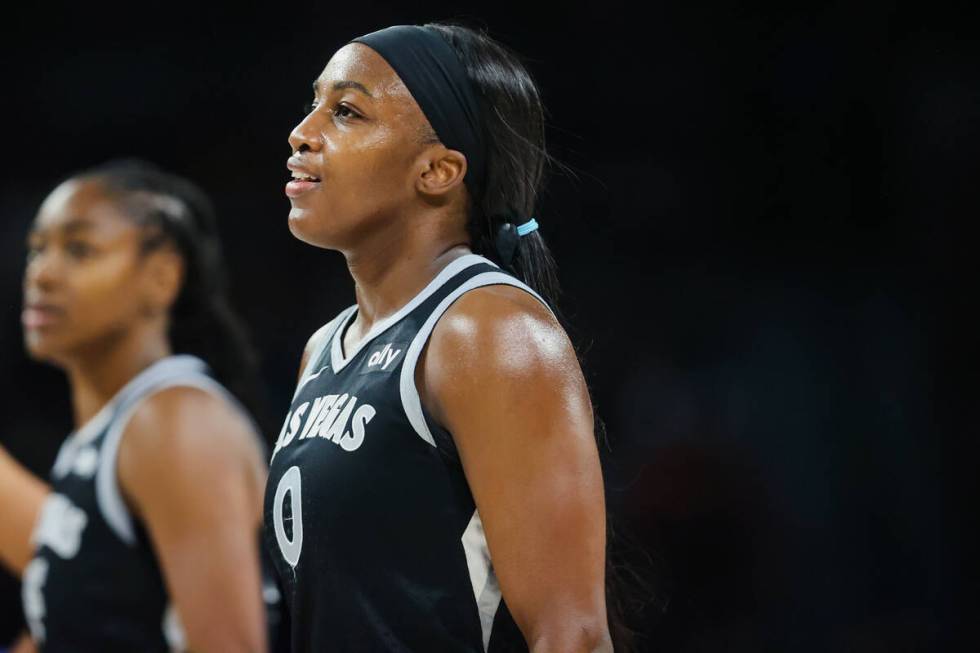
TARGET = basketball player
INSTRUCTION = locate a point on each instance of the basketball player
(436, 484)
(145, 539)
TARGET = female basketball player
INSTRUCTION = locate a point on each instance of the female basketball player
(145, 539)
(436, 482)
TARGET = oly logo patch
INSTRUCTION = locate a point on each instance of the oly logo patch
(384, 357)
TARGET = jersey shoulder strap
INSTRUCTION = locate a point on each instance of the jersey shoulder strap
(411, 401)
(174, 371)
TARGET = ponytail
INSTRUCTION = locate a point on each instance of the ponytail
(513, 124)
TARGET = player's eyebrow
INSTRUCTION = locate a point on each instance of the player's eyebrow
(71, 226)
(345, 84)
(357, 86)
(76, 225)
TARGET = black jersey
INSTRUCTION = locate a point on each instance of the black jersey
(369, 518)
(94, 584)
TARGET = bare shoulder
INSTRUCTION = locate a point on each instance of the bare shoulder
(492, 337)
(188, 416)
(182, 428)
(499, 357)
(501, 326)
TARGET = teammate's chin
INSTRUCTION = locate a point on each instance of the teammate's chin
(43, 345)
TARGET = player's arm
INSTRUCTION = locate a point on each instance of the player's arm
(502, 376)
(24, 644)
(191, 470)
(21, 497)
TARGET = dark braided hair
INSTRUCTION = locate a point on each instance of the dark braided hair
(176, 212)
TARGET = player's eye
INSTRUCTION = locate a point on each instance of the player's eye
(78, 249)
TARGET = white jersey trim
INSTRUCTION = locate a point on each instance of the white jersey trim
(74, 443)
(486, 589)
(329, 330)
(337, 359)
(175, 371)
(173, 629)
(70, 448)
(411, 401)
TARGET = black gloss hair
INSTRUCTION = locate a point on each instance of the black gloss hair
(516, 160)
(175, 212)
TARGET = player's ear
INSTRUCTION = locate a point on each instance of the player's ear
(163, 275)
(440, 171)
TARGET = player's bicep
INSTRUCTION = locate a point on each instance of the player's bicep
(187, 476)
(509, 388)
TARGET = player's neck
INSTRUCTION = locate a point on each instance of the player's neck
(396, 266)
(106, 366)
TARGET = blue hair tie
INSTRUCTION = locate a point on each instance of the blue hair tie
(527, 227)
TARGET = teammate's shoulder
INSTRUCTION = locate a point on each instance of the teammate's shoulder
(180, 436)
(180, 397)
(188, 415)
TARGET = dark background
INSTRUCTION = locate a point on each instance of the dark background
(758, 244)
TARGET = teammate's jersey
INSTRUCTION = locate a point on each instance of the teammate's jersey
(368, 516)
(94, 584)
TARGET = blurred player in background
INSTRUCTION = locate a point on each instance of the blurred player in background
(145, 537)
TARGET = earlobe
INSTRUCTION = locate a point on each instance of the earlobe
(444, 170)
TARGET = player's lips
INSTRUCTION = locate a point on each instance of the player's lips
(296, 188)
(303, 180)
(37, 315)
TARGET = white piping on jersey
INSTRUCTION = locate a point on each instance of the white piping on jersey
(486, 589)
(411, 401)
(175, 371)
(328, 332)
(337, 359)
(71, 446)
(88, 431)
(173, 629)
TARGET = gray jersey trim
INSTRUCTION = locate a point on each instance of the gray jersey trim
(73, 444)
(329, 329)
(175, 371)
(486, 589)
(411, 401)
(337, 359)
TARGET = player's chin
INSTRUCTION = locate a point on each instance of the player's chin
(310, 226)
(43, 347)
(301, 223)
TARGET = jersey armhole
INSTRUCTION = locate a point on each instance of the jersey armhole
(411, 401)
(108, 494)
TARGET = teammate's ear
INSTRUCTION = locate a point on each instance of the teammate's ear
(441, 170)
(163, 271)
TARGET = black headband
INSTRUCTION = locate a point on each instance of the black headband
(434, 75)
